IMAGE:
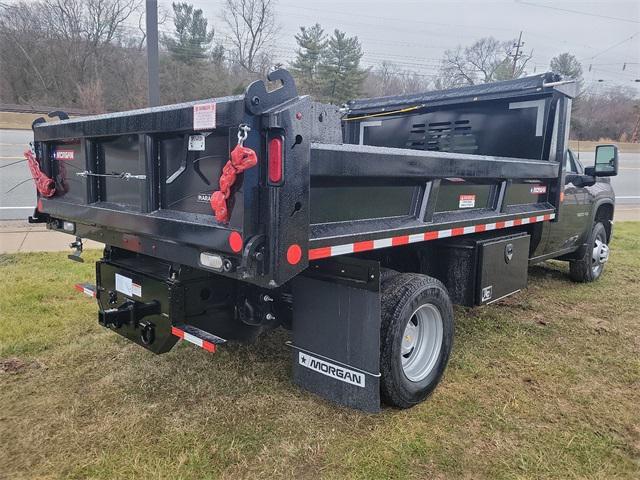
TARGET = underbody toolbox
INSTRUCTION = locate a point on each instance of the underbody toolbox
(482, 270)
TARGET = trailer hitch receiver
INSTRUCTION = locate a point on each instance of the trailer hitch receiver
(129, 313)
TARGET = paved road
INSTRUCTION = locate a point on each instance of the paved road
(18, 203)
(627, 183)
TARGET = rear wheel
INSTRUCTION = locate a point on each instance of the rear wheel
(590, 267)
(416, 339)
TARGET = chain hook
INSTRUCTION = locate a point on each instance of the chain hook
(243, 133)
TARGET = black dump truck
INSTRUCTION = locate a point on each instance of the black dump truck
(356, 228)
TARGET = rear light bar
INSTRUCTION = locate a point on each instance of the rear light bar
(275, 160)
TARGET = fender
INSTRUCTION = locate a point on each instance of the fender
(592, 216)
(599, 202)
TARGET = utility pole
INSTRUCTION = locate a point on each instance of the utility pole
(152, 52)
(517, 55)
(636, 129)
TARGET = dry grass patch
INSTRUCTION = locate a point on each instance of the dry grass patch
(544, 385)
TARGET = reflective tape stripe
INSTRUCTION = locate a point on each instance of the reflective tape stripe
(210, 347)
(365, 245)
(86, 290)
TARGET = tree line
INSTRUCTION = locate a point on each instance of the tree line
(92, 55)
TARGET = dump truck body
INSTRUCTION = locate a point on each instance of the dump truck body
(229, 216)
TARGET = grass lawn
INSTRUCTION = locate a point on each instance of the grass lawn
(545, 384)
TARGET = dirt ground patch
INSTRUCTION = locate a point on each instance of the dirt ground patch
(12, 365)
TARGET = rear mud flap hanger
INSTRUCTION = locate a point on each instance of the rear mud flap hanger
(258, 99)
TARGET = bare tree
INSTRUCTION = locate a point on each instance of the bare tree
(486, 60)
(252, 28)
(91, 96)
(54, 49)
(390, 79)
(90, 25)
(605, 114)
(163, 15)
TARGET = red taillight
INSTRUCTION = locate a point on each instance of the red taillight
(275, 160)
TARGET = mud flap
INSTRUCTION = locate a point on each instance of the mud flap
(336, 332)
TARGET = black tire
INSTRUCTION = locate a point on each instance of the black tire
(402, 295)
(387, 274)
(587, 269)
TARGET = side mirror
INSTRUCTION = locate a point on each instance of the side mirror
(606, 164)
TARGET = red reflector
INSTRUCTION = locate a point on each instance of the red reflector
(235, 241)
(275, 160)
(294, 254)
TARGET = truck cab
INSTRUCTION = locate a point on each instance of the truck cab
(586, 226)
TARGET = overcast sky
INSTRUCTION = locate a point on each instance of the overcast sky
(414, 34)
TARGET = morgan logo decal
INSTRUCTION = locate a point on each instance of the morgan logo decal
(204, 197)
(538, 189)
(331, 370)
(63, 154)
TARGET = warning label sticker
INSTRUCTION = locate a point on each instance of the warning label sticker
(127, 287)
(63, 154)
(204, 116)
(196, 143)
(467, 201)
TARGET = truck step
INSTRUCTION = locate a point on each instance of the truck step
(196, 336)
(86, 288)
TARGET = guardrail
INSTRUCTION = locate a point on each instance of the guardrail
(14, 108)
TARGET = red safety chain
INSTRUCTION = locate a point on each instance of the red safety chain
(241, 159)
(46, 186)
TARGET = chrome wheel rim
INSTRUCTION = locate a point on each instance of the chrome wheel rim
(599, 255)
(421, 342)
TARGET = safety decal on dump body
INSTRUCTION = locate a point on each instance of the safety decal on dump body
(331, 370)
(61, 154)
(128, 287)
(467, 201)
(196, 143)
(204, 116)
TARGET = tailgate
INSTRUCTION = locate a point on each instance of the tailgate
(143, 180)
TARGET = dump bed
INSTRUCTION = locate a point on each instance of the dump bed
(407, 172)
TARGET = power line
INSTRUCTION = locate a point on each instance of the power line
(464, 27)
(579, 12)
(611, 47)
(422, 32)
(421, 66)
